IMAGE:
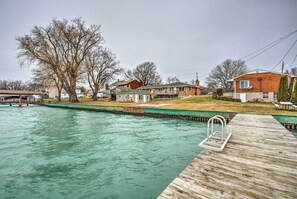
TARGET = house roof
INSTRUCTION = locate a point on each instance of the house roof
(115, 83)
(256, 71)
(126, 82)
(176, 84)
(21, 92)
(133, 91)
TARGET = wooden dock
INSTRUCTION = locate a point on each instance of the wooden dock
(259, 161)
(22, 103)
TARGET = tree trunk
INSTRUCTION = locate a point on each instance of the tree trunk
(73, 97)
(59, 94)
(95, 93)
(72, 92)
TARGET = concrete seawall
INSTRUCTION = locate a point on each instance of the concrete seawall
(202, 116)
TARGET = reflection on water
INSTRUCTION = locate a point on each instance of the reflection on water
(59, 153)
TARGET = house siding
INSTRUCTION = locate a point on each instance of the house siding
(188, 91)
(133, 84)
(260, 82)
(131, 98)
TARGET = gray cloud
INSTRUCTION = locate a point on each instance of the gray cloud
(181, 37)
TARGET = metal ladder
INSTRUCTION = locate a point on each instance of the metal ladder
(216, 140)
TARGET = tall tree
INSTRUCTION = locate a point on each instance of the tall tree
(294, 94)
(223, 72)
(280, 90)
(283, 90)
(145, 73)
(101, 66)
(62, 45)
(290, 89)
(293, 71)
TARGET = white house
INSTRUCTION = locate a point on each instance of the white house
(133, 95)
(79, 94)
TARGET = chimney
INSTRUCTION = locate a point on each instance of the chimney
(197, 82)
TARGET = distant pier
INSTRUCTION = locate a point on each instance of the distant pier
(22, 103)
(259, 161)
(11, 97)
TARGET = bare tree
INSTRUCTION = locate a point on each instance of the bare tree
(20, 85)
(34, 86)
(4, 85)
(293, 71)
(145, 73)
(62, 45)
(12, 85)
(222, 73)
(101, 66)
(170, 80)
(47, 77)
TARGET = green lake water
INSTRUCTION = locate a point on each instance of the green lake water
(294, 132)
(62, 153)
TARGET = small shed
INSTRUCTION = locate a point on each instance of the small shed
(133, 95)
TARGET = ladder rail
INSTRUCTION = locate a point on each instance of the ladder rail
(221, 135)
(212, 131)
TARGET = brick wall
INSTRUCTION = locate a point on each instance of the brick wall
(260, 82)
(135, 84)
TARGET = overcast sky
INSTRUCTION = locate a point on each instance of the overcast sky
(181, 37)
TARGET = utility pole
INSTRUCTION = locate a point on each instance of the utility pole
(196, 76)
(283, 66)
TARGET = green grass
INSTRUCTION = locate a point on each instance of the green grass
(203, 102)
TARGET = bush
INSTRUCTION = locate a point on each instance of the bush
(219, 91)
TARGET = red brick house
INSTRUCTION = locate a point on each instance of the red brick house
(133, 84)
(257, 85)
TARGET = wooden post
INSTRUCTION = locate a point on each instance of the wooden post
(20, 101)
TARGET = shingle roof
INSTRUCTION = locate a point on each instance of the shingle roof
(126, 82)
(176, 84)
(116, 83)
(133, 91)
(256, 71)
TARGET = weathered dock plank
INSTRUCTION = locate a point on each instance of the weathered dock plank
(259, 161)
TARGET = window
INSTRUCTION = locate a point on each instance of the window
(265, 95)
(244, 84)
(140, 97)
(190, 88)
(160, 89)
(181, 89)
(169, 89)
(274, 95)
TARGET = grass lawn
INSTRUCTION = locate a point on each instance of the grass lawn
(204, 102)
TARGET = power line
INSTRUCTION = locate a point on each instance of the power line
(285, 55)
(268, 46)
(293, 62)
(262, 51)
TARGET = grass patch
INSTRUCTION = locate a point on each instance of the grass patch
(204, 102)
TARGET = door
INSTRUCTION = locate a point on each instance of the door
(174, 90)
(242, 97)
